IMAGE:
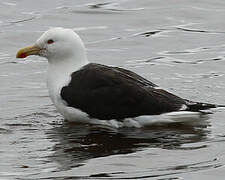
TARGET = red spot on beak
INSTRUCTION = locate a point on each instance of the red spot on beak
(27, 51)
(23, 55)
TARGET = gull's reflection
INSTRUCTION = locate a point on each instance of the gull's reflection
(77, 143)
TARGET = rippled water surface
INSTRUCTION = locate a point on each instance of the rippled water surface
(178, 44)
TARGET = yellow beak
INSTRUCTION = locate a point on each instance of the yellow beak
(27, 51)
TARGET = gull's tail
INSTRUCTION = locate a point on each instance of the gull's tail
(198, 106)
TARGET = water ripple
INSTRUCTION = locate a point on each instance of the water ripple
(200, 31)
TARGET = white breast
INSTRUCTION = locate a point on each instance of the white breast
(58, 77)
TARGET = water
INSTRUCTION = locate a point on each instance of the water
(179, 45)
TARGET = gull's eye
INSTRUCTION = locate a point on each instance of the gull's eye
(50, 41)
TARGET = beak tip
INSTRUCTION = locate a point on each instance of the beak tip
(21, 55)
(27, 51)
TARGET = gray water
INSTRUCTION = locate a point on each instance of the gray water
(178, 44)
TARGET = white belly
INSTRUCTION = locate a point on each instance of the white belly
(69, 113)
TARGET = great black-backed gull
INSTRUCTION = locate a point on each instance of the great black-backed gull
(84, 92)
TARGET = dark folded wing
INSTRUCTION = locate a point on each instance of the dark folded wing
(114, 93)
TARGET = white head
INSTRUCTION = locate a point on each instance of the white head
(57, 45)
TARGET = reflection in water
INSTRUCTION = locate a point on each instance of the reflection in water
(77, 143)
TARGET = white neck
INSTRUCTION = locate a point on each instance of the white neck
(59, 74)
(67, 66)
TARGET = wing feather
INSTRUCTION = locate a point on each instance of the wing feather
(114, 93)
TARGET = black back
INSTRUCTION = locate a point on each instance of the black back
(105, 92)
